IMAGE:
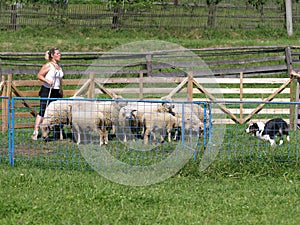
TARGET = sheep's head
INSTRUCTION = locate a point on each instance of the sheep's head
(45, 130)
(120, 103)
(193, 125)
(166, 107)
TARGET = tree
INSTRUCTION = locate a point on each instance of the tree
(212, 8)
(117, 5)
(259, 5)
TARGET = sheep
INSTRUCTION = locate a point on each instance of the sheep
(131, 116)
(192, 115)
(110, 110)
(163, 122)
(127, 123)
(56, 114)
(87, 116)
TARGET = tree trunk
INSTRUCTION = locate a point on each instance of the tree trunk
(115, 17)
(211, 15)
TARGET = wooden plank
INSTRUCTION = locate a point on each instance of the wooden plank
(196, 91)
(110, 93)
(231, 122)
(26, 104)
(168, 90)
(23, 115)
(210, 80)
(91, 88)
(245, 90)
(236, 100)
(241, 95)
(247, 111)
(250, 70)
(22, 125)
(157, 65)
(26, 83)
(244, 61)
(175, 90)
(36, 93)
(83, 88)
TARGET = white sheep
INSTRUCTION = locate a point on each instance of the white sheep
(110, 110)
(192, 115)
(86, 116)
(159, 122)
(131, 116)
(56, 114)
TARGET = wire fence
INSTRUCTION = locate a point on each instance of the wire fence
(142, 133)
(228, 14)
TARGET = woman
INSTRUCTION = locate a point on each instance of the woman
(51, 75)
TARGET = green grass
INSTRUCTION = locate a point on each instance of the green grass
(71, 39)
(241, 188)
(227, 193)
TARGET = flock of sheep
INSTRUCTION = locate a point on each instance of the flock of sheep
(127, 120)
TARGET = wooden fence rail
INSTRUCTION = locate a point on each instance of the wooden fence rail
(228, 74)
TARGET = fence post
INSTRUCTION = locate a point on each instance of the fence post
(141, 85)
(4, 107)
(241, 96)
(9, 95)
(289, 17)
(13, 16)
(289, 62)
(149, 65)
(91, 91)
(296, 106)
(9, 81)
(190, 87)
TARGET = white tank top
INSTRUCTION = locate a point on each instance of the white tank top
(54, 75)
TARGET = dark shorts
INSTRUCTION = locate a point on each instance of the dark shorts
(44, 93)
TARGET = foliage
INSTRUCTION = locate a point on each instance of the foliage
(257, 3)
(136, 3)
(38, 1)
(213, 2)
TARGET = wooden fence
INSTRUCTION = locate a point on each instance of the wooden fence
(258, 74)
(228, 14)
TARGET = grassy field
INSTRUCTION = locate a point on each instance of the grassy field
(71, 39)
(228, 192)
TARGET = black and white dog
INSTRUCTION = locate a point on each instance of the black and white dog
(270, 130)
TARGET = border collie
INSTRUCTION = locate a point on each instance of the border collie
(273, 128)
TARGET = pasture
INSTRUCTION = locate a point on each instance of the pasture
(230, 191)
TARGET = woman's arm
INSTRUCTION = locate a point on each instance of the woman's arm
(42, 74)
(61, 92)
(294, 73)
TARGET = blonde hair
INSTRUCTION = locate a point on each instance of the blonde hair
(47, 57)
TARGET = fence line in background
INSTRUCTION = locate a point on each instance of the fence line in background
(226, 15)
